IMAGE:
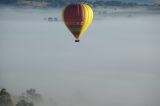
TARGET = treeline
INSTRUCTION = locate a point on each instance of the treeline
(114, 3)
(28, 98)
(8, 1)
(59, 3)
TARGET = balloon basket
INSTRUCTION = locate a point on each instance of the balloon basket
(76, 40)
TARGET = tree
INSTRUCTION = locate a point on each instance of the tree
(24, 103)
(5, 98)
(33, 95)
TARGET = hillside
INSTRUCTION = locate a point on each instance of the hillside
(59, 3)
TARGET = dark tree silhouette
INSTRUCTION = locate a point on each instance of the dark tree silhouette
(5, 98)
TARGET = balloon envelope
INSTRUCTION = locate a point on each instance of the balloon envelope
(77, 17)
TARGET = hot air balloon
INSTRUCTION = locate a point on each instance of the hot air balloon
(77, 18)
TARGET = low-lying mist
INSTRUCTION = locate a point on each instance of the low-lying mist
(116, 62)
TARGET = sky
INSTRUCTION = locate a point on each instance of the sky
(116, 63)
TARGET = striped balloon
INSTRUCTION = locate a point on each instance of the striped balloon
(77, 17)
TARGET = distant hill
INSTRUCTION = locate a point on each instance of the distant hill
(58, 3)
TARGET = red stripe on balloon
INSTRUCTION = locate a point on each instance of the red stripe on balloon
(74, 13)
(76, 34)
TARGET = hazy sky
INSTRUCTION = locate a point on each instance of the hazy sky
(116, 63)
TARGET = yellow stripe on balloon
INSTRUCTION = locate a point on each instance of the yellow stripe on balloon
(88, 18)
